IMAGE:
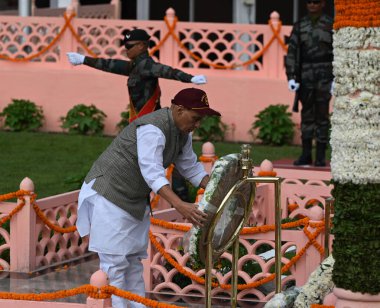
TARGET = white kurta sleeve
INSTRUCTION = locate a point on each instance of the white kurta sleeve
(150, 146)
(188, 166)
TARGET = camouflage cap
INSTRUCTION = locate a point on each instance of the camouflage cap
(196, 100)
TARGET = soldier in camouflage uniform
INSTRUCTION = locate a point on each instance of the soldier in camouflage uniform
(309, 71)
(143, 72)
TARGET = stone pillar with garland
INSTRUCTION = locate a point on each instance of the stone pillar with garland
(355, 161)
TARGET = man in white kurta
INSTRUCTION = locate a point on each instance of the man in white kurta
(121, 239)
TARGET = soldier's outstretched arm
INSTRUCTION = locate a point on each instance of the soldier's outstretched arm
(114, 66)
(159, 70)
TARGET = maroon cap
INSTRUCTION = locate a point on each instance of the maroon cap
(194, 99)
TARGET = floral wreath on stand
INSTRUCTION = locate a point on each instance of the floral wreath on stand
(225, 173)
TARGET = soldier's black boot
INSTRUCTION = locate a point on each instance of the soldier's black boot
(305, 158)
(320, 160)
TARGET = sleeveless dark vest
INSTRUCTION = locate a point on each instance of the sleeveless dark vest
(117, 173)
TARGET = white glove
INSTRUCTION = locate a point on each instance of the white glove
(332, 88)
(199, 79)
(293, 85)
(75, 58)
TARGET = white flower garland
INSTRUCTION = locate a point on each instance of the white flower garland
(355, 137)
(318, 285)
(191, 238)
(355, 38)
(285, 299)
(356, 70)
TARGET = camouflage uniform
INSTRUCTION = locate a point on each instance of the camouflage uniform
(309, 62)
(313, 70)
(143, 75)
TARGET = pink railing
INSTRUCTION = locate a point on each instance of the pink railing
(33, 245)
(239, 93)
(99, 11)
(300, 187)
(159, 278)
(220, 44)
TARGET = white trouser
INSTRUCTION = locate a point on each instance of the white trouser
(125, 273)
(120, 240)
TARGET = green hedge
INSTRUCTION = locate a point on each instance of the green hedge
(356, 246)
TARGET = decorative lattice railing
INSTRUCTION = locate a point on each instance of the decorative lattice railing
(179, 44)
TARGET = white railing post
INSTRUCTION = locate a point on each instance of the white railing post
(23, 234)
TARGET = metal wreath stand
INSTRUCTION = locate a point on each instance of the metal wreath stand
(212, 252)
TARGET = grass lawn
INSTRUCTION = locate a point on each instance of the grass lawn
(50, 160)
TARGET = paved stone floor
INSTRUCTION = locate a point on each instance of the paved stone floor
(61, 278)
(74, 275)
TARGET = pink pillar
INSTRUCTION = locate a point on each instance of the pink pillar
(168, 55)
(23, 234)
(99, 279)
(117, 8)
(67, 40)
(274, 53)
(32, 7)
(208, 157)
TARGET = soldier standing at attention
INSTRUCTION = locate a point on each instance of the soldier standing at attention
(309, 71)
(143, 71)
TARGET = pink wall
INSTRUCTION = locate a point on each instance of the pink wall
(237, 96)
(52, 83)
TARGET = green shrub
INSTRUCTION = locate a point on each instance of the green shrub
(274, 124)
(84, 120)
(211, 129)
(124, 120)
(22, 115)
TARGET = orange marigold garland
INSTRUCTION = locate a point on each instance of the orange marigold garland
(359, 13)
(52, 226)
(267, 173)
(13, 195)
(207, 159)
(312, 237)
(46, 48)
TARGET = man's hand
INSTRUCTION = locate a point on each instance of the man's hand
(199, 79)
(75, 58)
(293, 85)
(191, 212)
(188, 210)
